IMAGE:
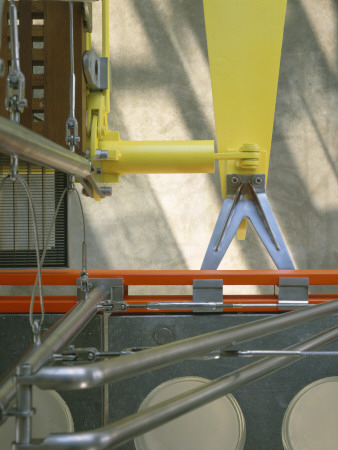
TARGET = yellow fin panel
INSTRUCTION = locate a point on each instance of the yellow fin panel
(244, 46)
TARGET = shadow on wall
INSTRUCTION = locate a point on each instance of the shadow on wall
(161, 90)
(303, 171)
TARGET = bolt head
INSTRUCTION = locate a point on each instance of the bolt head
(258, 180)
(234, 180)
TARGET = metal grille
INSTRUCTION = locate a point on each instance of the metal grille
(17, 245)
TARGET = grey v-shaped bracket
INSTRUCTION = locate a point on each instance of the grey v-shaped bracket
(246, 198)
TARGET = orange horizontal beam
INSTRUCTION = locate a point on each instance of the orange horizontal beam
(170, 277)
(62, 304)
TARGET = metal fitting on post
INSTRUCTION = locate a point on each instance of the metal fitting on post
(24, 409)
(14, 167)
(102, 154)
(106, 191)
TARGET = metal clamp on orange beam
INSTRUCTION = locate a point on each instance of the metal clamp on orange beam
(209, 293)
(293, 293)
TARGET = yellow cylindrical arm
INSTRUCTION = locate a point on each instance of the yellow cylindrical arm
(133, 157)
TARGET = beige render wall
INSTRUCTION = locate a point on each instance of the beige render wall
(161, 91)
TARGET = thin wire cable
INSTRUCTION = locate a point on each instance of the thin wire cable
(71, 37)
(82, 214)
(48, 238)
(84, 243)
(38, 279)
(37, 250)
(45, 248)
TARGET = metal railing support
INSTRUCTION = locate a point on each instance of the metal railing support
(126, 429)
(56, 337)
(107, 371)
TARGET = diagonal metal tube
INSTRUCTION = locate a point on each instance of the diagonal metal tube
(18, 140)
(87, 376)
(57, 336)
(126, 429)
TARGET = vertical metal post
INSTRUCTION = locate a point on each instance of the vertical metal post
(23, 432)
(106, 420)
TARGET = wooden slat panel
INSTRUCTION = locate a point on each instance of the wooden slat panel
(38, 54)
(79, 49)
(37, 80)
(57, 69)
(38, 127)
(37, 7)
(37, 31)
(25, 39)
(38, 104)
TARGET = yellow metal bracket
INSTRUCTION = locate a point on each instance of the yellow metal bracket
(111, 157)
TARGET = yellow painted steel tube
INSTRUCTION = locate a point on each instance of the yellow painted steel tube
(135, 157)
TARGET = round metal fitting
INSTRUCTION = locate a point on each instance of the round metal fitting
(257, 180)
(13, 78)
(235, 180)
(106, 191)
(163, 335)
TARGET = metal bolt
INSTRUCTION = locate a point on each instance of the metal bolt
(258, 180)
(102, 154)
(123, 307)
(98, 171)
(234, 180)
(90, 356)
(106, 191)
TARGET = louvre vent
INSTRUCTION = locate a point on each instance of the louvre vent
(17, 244)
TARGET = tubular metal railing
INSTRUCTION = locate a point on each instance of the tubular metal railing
(31, 372)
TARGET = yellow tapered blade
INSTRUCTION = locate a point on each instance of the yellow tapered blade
(244, 46)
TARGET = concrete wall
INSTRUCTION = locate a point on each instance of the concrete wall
(161, 90)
